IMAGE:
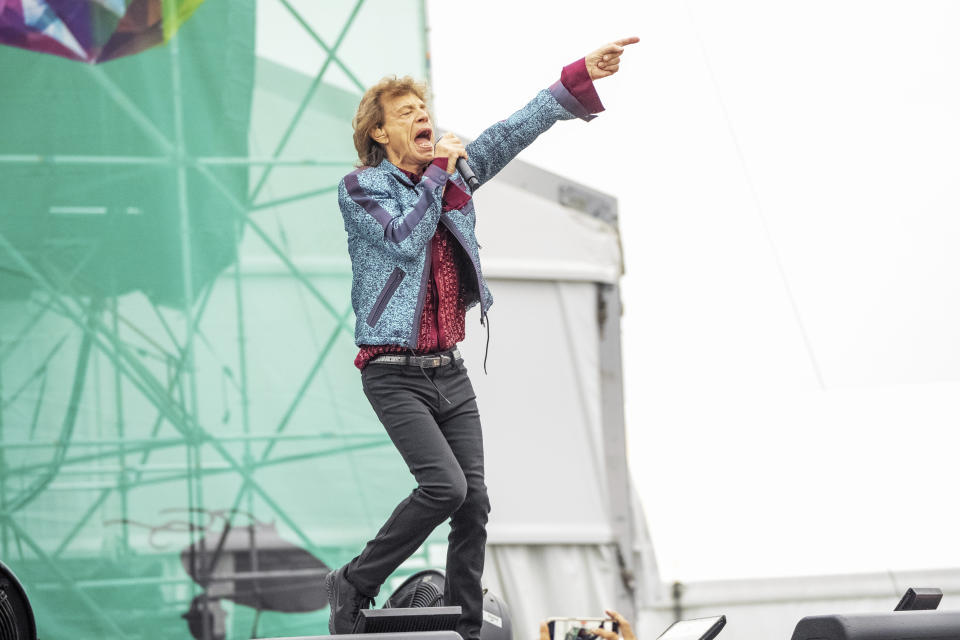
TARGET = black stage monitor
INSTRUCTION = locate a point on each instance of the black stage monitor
(694, 629)
(407, 620)
(426, 635)
(920, 600)
(893, 625)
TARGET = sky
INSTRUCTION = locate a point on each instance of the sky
(786, 175)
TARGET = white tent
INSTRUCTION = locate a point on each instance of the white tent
(566, 536)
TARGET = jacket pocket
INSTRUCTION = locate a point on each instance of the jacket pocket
(385, 295)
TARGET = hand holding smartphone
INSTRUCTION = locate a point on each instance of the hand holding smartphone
(579, 628)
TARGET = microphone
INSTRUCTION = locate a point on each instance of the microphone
(467, 173)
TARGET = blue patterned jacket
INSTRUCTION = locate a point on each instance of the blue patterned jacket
(390, 222)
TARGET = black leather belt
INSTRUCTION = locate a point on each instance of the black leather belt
(427, 362)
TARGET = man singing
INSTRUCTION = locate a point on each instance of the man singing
(410, 223)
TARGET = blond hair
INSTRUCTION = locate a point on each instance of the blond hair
(370, 115)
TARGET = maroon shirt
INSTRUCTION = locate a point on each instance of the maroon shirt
(443, 319)
(442, 323)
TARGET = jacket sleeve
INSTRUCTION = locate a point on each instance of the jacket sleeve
(372, 213)
(500, 144)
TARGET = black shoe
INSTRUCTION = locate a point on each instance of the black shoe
(345, 603)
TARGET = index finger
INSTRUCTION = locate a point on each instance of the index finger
(544, 631)
(617, 45)
(613, 614)
(624, 625)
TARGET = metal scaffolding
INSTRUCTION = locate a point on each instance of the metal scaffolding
(159, 370)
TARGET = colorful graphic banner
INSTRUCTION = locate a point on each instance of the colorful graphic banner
(91, 31)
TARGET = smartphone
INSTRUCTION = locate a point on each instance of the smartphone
(696, 629)
(579, 628)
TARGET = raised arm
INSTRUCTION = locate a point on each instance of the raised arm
(572, 96)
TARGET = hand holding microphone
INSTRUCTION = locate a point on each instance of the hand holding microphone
(450, 147)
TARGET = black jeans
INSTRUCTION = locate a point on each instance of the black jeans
(442, 445)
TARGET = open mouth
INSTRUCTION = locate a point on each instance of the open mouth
(423, 139)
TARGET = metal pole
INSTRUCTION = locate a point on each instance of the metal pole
(323, 45)
(331, 56)
(244, 401)
(676, 595)
(241, 212)
(615, 445)
(425, 43)
(195, 479)
(301, 393)
(81, 522)
(69, 420)
(149, 386)
(4, 534)
(275, 462)
(156, 443)
(66, 580)
(239, 161)
(121, 435)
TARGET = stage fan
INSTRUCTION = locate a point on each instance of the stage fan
(425, 589)
(496, 618)
(422, 589)
(16, 616)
